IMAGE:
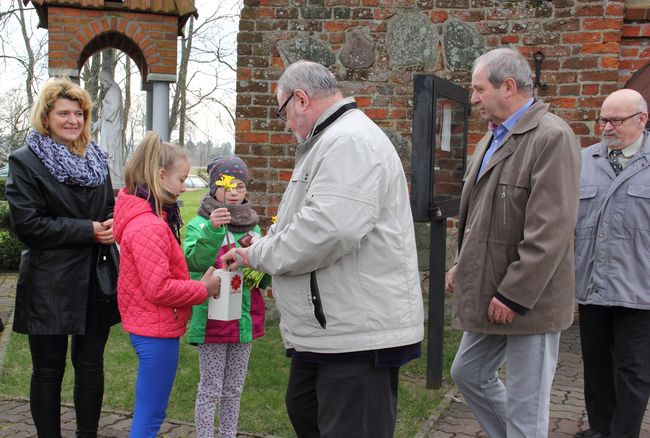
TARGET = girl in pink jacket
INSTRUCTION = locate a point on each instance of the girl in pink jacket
(155, 293)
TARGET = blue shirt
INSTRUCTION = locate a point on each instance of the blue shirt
(500, 132)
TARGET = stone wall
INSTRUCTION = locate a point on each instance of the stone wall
(374, 47)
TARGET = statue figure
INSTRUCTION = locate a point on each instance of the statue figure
(110, 127)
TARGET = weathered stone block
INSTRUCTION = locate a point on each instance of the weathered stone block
(358, 52)
(411, 39)
(305, 47)
(463, 44)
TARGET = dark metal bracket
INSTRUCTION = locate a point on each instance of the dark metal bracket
(539, 58)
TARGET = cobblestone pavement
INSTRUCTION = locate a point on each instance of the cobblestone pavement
(452, 419)
(568, 414)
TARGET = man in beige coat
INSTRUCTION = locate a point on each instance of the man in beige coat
(514, 278)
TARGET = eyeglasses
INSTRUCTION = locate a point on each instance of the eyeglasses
(602, 122)
(282, 114)
(240, 188)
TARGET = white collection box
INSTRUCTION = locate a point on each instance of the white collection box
(227, 306)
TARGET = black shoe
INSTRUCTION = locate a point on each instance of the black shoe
(2, 326)
(590, 433)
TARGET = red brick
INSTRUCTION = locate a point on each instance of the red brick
(285, 175)
(562, 102)
(590, 89)
(335, 26)
(243, 125)
(631, 30)
(601, 23)
(590, 102)
(376, 113)
(581, 37)
(363, 101)
(611, 48)
(597, 76)
(609, 62)
(282, 139)
(509, 39)
(439, 16)
(253, 137)
(617, 9)
(589, 11)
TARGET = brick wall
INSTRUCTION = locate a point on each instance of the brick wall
(590, 51)
(75, 34)
(635, 43)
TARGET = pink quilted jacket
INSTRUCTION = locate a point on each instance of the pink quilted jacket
(154, 292)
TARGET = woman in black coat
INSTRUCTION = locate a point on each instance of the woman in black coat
(61, 204)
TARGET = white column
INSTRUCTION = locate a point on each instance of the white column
(149, 112)
(160, 107)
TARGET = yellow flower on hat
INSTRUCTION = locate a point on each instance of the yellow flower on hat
(274, 219)
(226, 182)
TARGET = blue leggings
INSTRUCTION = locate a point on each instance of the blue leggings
(157, 362)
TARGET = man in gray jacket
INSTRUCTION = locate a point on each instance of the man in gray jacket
(613, 269)
(514, 280)
(343, 259)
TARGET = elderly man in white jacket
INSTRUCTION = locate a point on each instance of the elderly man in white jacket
(343, 260)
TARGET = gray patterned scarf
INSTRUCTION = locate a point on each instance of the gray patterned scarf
(68, 168)
(242, 216)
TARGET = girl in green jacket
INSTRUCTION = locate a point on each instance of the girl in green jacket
(225, 218)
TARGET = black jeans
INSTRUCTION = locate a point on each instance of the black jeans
(341, 400)
(48, 365)
(616, 355)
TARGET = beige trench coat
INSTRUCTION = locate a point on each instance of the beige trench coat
(516, 228)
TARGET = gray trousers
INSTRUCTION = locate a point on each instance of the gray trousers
(520, 409)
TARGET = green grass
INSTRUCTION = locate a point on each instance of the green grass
(262, 405)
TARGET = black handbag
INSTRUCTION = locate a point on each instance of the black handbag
(107, 270)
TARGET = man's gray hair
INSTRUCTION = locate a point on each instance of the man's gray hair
(641, 104)
(501, 64)
(315, 79)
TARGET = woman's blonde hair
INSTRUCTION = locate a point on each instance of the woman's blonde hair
(63, 88)
(151, 155)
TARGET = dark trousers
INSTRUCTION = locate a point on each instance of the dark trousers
(341, 400)
(616, 355)
(48, 365)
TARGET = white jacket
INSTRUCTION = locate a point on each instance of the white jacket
(342, 253)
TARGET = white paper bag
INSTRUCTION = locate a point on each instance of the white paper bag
(227, 306)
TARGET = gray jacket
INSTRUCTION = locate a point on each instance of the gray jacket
(342, 253)
(613, 230)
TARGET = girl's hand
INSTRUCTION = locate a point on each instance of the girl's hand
(212, 282)
(102, 233)
(219, 216)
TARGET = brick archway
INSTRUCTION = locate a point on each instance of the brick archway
(75, 34)
(102, 33)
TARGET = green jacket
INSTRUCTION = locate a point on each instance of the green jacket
(203, 246)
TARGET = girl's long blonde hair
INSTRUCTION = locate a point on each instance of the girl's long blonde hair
(62, 88)
(151, 155)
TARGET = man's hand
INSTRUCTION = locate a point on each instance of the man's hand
(234, 259)
(499, 313)
(449, 279)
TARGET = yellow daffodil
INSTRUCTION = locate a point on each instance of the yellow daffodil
(274, 219)
(226, 182)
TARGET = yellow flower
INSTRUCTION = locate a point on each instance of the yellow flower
(226, 183)
(274, 219)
